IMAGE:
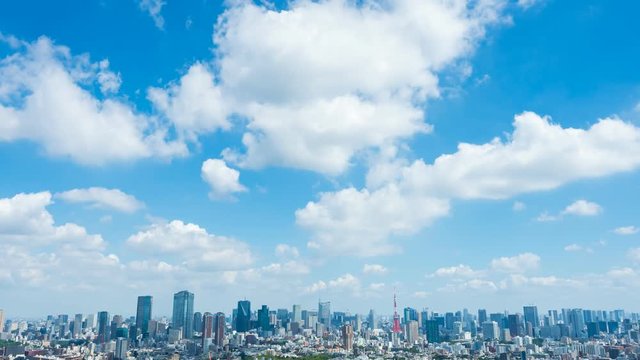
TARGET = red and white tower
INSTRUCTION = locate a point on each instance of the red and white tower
(396, 318)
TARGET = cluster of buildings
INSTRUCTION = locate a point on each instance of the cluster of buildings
(265, 333)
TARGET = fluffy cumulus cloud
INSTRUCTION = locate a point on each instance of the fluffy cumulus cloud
(315, 104)
(583, 208)
(46, 96)
(192, 246)
(402, 197)
(223, 180)
(359, 222)
(286, 251)
(194, 104)
(626, 230)
(102, 198)
(516, 264)
(374, 269)
(341, 283)
(35, 251)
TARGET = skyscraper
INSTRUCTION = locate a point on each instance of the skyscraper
(482, 316)
(103, 327)
(183, 313)
(531, 316)
(263, 318)
(347, 337)
(371, 319)
(121, 349)
(297, 314)
(143, 314)
(324, 313)
(432, 330)
(1, 320)
(207, 327)
(197, 321)
(243, 317)
(77, 325)
(219, 325)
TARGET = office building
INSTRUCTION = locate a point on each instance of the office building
(347, 337)
(104, 328)
(324, 313)
(243, 317)
(219, 326)
(143, 314)
(183, 313)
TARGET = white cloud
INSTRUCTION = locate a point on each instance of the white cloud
(45, 97)
(223, 180)
(626, 230)
(25, 220)
(455, 271)
(102, 198)
(516, 264)
(634, 254)
(573, 248)
(519, 206)
(546, 217)
(421, 294)
(340, 221)
(526, 4)
(315, 104)
(192, 245)
(154, 9)
(341, 283)
(376, 286)
(583, 208)
(194, 105)
(374, 269)
(537, 156)
(286, 251)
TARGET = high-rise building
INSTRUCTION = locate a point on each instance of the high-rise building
(531, 316)
(482, 316)
(297, 314)
(219, 326)
(411, 332)
(347, 337)
(116, 322)
(516, 325)
(207, 328)
(183, 313)
(121, 349)
(410, 314)
(576, 321)
(143, 314)
(1, 320)
(490, 330)
(263, 318)
(324, 313)
(371, 319)
(197, 321)
(104, 328)
(432, 329)
(91, 321)
(243, 317)
(77, 325)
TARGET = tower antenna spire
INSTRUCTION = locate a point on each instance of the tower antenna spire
(396, 318)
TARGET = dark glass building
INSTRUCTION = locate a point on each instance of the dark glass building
(243, 318)
(183, 313)
(143, 314)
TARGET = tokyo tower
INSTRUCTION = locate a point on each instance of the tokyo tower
(396, 318)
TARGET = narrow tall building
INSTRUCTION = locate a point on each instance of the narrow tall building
(208, 321)
(77, 325)
(143, 314)
(347, 337)
(104, 327)
(219, 325)
(243, 317)
(183, 313)
(324, 313)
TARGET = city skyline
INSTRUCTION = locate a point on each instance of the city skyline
(335, 150)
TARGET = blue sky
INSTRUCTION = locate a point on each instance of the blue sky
(286, 152)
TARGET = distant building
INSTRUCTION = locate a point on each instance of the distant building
(219, 326)
(263, 318)
(324, 313)
(143, 314)
(197, 322)
(411, 332)
(243, 317)
(297, 314)
(77, 325)
(104, 328)
(531, 316)
(183, 313)
(482, 316)
(122, 347)
(432, 329)
(207, 328)
(491, 330)
(347, 337)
